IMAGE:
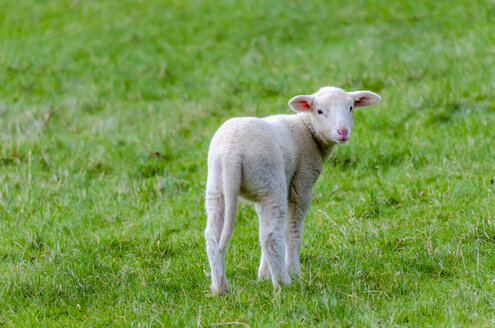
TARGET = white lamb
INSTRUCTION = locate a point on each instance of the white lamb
(274, 162)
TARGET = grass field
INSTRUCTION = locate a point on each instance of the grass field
(106, 112)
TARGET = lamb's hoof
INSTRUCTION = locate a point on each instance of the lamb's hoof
(286, 280)
(282, 281)
(263, 275)
(219, 290)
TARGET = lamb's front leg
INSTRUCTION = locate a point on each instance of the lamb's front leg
(293, 234)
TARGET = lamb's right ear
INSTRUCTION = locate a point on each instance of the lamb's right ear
(301, 103)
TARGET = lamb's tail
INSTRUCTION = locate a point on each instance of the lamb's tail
(231, 178)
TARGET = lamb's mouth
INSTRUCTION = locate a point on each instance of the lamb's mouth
(340, 140)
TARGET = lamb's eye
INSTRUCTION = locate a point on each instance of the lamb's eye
(350, 109)
(320, 111)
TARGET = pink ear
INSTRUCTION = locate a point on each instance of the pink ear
(365, 98)
(301, 103)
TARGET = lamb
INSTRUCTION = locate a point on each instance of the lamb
(274, 162)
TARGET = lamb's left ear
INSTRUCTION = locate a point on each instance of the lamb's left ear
(365, 98)
(301, 103)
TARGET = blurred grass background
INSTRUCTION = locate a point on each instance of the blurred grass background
(106, 112)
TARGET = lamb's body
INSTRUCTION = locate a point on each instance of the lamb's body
(274, 162)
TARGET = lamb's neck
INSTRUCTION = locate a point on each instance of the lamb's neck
(324, 147)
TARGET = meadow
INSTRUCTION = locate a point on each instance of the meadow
(106, 112)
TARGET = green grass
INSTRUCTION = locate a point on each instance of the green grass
(106, 112)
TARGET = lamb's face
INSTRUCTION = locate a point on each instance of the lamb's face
(332, 116)
(331, 110)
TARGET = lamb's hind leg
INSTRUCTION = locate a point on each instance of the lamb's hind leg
(216, 256)
(264, 269)
(272, 217)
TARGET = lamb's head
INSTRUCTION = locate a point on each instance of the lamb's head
(331, 110)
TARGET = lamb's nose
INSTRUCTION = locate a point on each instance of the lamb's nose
(343, 132)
